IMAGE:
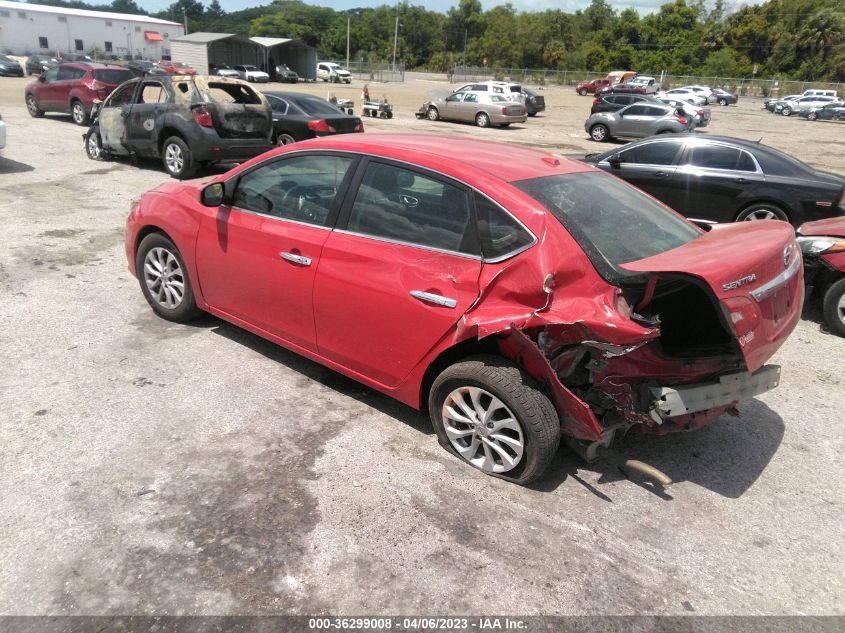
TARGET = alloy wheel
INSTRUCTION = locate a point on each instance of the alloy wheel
(173, 158)
(762, 214)
(284, 139)
(93, 146)
(164, 278)
(78, 113)
(31, 105)
(483, 430)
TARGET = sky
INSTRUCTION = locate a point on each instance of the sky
(643, 6)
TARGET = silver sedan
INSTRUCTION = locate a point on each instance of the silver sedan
(637, 121)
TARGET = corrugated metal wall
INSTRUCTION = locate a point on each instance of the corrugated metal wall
(298, 57)
(234, 53)
(195, 54)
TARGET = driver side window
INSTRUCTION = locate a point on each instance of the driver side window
(301, 189)
(122, 96)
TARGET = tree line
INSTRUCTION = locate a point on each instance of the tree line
(786, 39)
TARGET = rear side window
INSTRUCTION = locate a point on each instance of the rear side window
(220, 92)
(471, 98)
(720, 157)
(69, 72)
(405, 206)
(655, 111)
(316, 106)
(637, 111)
(659, 153)
(112, 76)
(500, 234)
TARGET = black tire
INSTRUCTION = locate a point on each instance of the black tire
(786, 111)
(723, 102)
(753, 211)
(180, 169)
(390, 115)
(187, 309)
(482, 119)
(833, 306)
(432, 114)
(32, 107)
(94, 147)
(812, 116)
(600, 133)
(283, 138)
(532, 114)
(534, 412)
(78, 113)
(583, 92)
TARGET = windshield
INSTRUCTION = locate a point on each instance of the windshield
(614, 222)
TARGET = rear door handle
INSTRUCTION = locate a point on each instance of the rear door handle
(296, 259)
(429, 297)
(740, 180)
(661, 174)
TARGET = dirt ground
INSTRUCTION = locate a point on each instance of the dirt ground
(155, 468)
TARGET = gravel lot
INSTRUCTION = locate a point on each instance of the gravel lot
(154, 468)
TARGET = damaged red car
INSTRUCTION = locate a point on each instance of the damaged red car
(503, 296)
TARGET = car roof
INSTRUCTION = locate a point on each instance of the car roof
(465, 159)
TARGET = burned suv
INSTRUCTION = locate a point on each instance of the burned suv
(187, 121)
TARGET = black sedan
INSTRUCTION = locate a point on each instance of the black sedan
(37, 64)
(141, 67)
(298, 116)
(10, 67)
(723, 179)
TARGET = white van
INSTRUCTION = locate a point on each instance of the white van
(818, 93)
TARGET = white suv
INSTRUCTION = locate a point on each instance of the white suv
(510, 91)
(819, 93)
(330, 71)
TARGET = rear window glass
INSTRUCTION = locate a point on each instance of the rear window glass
(112, 76)
(621, 225)
(317, 106)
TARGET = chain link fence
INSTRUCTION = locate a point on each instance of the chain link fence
(369, 71)
(742, 86)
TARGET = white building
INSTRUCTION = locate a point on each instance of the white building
(33, 28)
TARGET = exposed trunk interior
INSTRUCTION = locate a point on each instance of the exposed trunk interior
(690, 319)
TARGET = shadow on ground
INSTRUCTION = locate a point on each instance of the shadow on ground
(9, 166)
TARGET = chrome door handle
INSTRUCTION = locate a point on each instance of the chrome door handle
(439, 300)
(740, 180)
(296, 259)
(661, 174)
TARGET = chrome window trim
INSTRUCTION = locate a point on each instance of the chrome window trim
(389, 240)
(280, 219)
(672, 165)
(354, 153)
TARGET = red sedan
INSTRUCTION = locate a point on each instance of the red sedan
(503, 296)
(176, 68)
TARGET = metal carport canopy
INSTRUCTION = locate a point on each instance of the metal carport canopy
(303, 59)
(202, 49)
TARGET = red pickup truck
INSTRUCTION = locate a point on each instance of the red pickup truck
(591, 87)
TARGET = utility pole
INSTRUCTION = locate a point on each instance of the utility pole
(395, 36)
(464, 63)
(185, 19)
(347, 41)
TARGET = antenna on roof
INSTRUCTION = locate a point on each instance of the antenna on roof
(759, 140)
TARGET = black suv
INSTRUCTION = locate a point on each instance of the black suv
(37, 64)
(187, 121)
(611, 102)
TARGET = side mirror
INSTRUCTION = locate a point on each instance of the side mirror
(42, 78)
(213, 195)
(615, 160)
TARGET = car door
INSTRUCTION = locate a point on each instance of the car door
(468, 107)
(449, 106)
(113, 119)
(146, 115)
(46, 93)
(631, 120)
(715, 179)
(650, 166)
(399, 271)
(258, 255)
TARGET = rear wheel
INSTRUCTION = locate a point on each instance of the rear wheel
(599, 133)
(164, 279)
(177, 158)
(812, 116)
(77, 111)
(834, 307)
(494, 416)
(762, 211)
(32, 107)
(432, 114)
(284, 138)
(482, 120)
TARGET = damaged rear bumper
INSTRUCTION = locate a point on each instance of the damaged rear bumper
(670, 402)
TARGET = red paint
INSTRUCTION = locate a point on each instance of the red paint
(352, 311)
(833, 227)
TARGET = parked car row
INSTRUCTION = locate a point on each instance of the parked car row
(803, 104)
(485, 103)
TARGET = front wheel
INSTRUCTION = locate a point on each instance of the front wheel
(164, 279)
(177, 158)
(762, 211)
(482, 120)
(94, 147)
(812, 116)
(599, 133)
(433, 114)
(494, 416)
(583, 92)
(723, 102)
(786, 111)
(834, 307)
(32, 107)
